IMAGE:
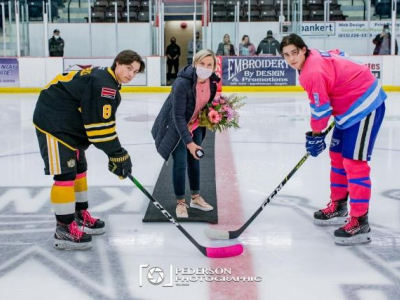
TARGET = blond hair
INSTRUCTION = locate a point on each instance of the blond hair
(226, 36)
(203, 54)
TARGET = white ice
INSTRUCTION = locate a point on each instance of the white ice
(293, 258)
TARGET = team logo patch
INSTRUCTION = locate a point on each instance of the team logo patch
(334, 142)
(316, 98)
(108, 93)
(71, 163)
(324, 54)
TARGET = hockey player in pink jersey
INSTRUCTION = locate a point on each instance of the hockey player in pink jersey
(339, 87)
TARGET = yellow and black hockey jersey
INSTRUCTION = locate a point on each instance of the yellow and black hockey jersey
(79, 109)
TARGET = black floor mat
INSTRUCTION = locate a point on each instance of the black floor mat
(164, 193)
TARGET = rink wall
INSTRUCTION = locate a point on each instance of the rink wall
(107, 39)
(30, 74)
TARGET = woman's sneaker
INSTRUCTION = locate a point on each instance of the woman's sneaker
(181, 210)
(69, 237)
(89, 224)
(334, 214)
(356, 231)
(200, 203)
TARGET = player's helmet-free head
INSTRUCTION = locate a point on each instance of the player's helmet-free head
(127, 57)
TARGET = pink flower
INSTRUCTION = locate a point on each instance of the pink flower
(214, 117)
(215, 102)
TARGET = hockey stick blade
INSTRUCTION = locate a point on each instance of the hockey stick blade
(220, 252)
(217, 234)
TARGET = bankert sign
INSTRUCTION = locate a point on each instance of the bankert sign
(242, 71)
(318, 28)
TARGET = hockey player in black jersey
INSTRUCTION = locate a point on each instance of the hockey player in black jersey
(75, 110)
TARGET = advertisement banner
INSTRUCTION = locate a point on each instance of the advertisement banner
(218, 72)
(359, 29)
(9, 72)
(254, 71)
(374, 63)
(76, 64)
(318, 29)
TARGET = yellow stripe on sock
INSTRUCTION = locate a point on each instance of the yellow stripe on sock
(80, 185)
(62, 194)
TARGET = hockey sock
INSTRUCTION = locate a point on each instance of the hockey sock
(63, 201)
(339, 184)
(359, 186)
(80, 187)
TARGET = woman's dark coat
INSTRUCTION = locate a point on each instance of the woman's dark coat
(171, 124)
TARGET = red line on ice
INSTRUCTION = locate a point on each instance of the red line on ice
(230, 217)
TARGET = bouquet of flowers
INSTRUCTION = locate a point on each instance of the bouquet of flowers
(221, 113)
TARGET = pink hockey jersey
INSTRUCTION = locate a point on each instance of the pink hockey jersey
(339, 86)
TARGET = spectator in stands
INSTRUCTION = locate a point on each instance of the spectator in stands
(245, 47)
(199, 46)
(268, 45)
(226, 48)
(383, 41)
(173, 52)
(56, 44)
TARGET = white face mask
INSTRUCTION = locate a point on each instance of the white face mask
(203, 73)
(387, 30)
(56, 37)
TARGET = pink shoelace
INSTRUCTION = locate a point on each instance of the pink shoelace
(331, 207)
(88, 218)
(74, 231)
(352, 223)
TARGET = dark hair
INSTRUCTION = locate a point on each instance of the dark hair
(245, 36)
(127, 57)
(293, 39)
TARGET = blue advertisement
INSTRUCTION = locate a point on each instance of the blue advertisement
(9, 72)
(255, 71)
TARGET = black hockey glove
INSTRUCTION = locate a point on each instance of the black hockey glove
(120, 163)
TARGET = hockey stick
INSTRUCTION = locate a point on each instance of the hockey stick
(226, 235)
(219, 252)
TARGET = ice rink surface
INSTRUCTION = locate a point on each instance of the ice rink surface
(286, 256)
